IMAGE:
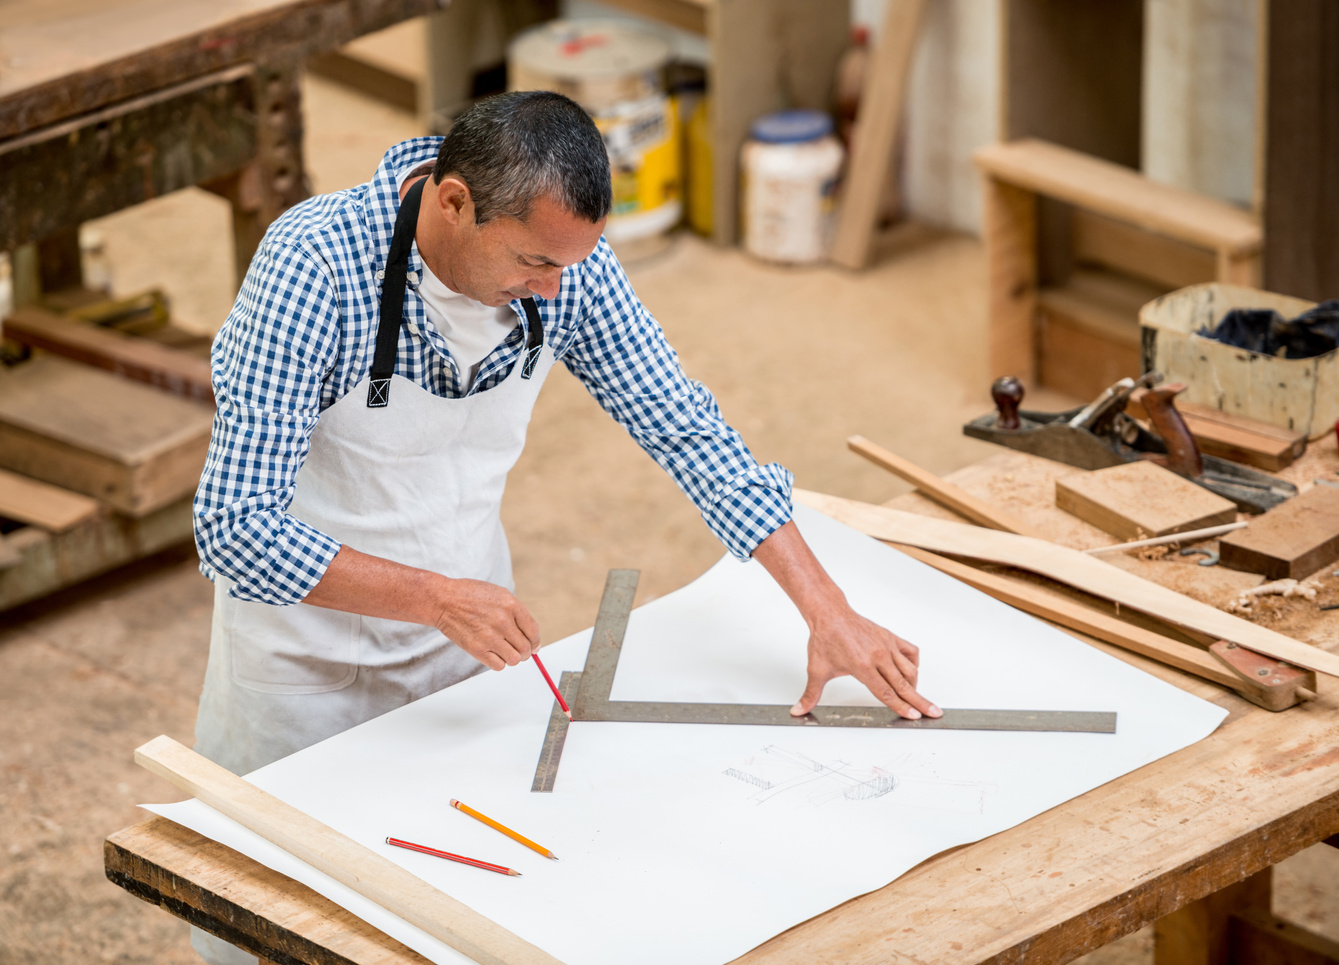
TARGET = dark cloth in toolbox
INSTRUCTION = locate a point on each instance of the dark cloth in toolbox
(1264, 330)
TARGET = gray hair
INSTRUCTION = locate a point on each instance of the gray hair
(513, 148)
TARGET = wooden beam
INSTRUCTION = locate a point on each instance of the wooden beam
(1009, 229)
(1201, 932)
(878, 123)
(1258, 936)
(1058, 609)
(134, 358)
(352, 864)
(31, 501)
(1122, 193)
(1067, 566)
(940, 490)
(1291, 541)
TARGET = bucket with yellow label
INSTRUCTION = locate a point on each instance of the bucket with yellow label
(616, 73)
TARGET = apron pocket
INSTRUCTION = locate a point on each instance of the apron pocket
(296, 649)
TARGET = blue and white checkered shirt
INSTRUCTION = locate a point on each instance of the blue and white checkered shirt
(301, 335)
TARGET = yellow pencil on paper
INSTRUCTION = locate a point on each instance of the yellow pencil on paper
(503, 828)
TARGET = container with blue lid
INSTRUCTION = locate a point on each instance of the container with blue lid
(790, 168)
(791, 127)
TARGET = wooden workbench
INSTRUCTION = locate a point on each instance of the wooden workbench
(107, 103)
(1188, 841)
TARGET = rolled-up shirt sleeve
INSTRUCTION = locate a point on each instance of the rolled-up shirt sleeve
(622, 357)
(268, 361)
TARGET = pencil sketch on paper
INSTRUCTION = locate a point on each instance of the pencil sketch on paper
(777, 772)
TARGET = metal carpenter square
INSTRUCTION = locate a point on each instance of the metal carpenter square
(777, 715)
(546, 772)
(606, 641)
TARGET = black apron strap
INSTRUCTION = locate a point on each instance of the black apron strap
(535, 342)
(392, 299)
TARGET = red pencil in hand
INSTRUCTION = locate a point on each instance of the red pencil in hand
(549, 680)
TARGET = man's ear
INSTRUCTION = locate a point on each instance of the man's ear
(453, 197)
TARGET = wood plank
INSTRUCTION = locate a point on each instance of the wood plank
(1059, 609)
(1301, 152)
(1140, 499)
(1121, 193)
(1291, 541)
(1124, 247)
(1009, 228)
(1234, 437)
(31, 501)
(940, 490)
(373, 80)
(878, 124)
(178, 372)
(242, 901)
(53, 561)
(132, 446)
(1067, 566)
(348, 862)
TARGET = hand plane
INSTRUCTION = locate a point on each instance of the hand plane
(1101, 434)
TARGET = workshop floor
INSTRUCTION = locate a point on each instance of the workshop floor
(799, 359)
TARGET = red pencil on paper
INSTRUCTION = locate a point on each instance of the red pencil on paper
(472, 862)
(549, 680)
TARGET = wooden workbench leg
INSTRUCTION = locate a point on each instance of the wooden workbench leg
(1200, 933)
(1010, 230)
(1239, 269)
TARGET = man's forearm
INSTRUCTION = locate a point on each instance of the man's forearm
(358, 583)
(790, 561)
(483, 619)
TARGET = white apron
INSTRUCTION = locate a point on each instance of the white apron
(418, 480)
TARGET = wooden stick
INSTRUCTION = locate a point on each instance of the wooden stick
(940, 490)
(348, 862)
(1169, 538)
(1076, 616)
(135, 358)
(1068, 566)
(878, 121)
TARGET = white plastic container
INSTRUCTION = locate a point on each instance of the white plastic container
(790, 168)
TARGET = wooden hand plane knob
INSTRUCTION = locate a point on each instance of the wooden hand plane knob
(1183, 455)
(1008, 395)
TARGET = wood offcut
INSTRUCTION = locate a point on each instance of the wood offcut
(1291, 541)
(1140, 499)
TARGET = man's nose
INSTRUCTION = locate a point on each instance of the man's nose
(545, 286)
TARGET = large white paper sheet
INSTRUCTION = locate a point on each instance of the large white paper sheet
(714, 838)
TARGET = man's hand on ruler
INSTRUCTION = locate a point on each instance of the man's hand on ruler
(841, 641)
(489, 623)
(845, 643)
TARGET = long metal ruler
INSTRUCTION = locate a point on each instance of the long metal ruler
(588, 692)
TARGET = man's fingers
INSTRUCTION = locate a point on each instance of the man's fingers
(812, 692)
(905, 689)
(529, 627)
(492, 661)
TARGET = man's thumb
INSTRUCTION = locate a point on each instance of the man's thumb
(808, 699)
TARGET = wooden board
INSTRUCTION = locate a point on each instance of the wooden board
(132, 446)
(1292, 540)
(1234, 437)
(135, 358)
(1121, 193)
(348, 862)
(31, 501)
(1067, 566)
(242, 901)
(1140, 499)
(878, 123)
(48, 562)
(942, 492)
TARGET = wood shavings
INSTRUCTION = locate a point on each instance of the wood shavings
(1246, 599)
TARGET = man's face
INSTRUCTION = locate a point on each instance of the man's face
(505, 258)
